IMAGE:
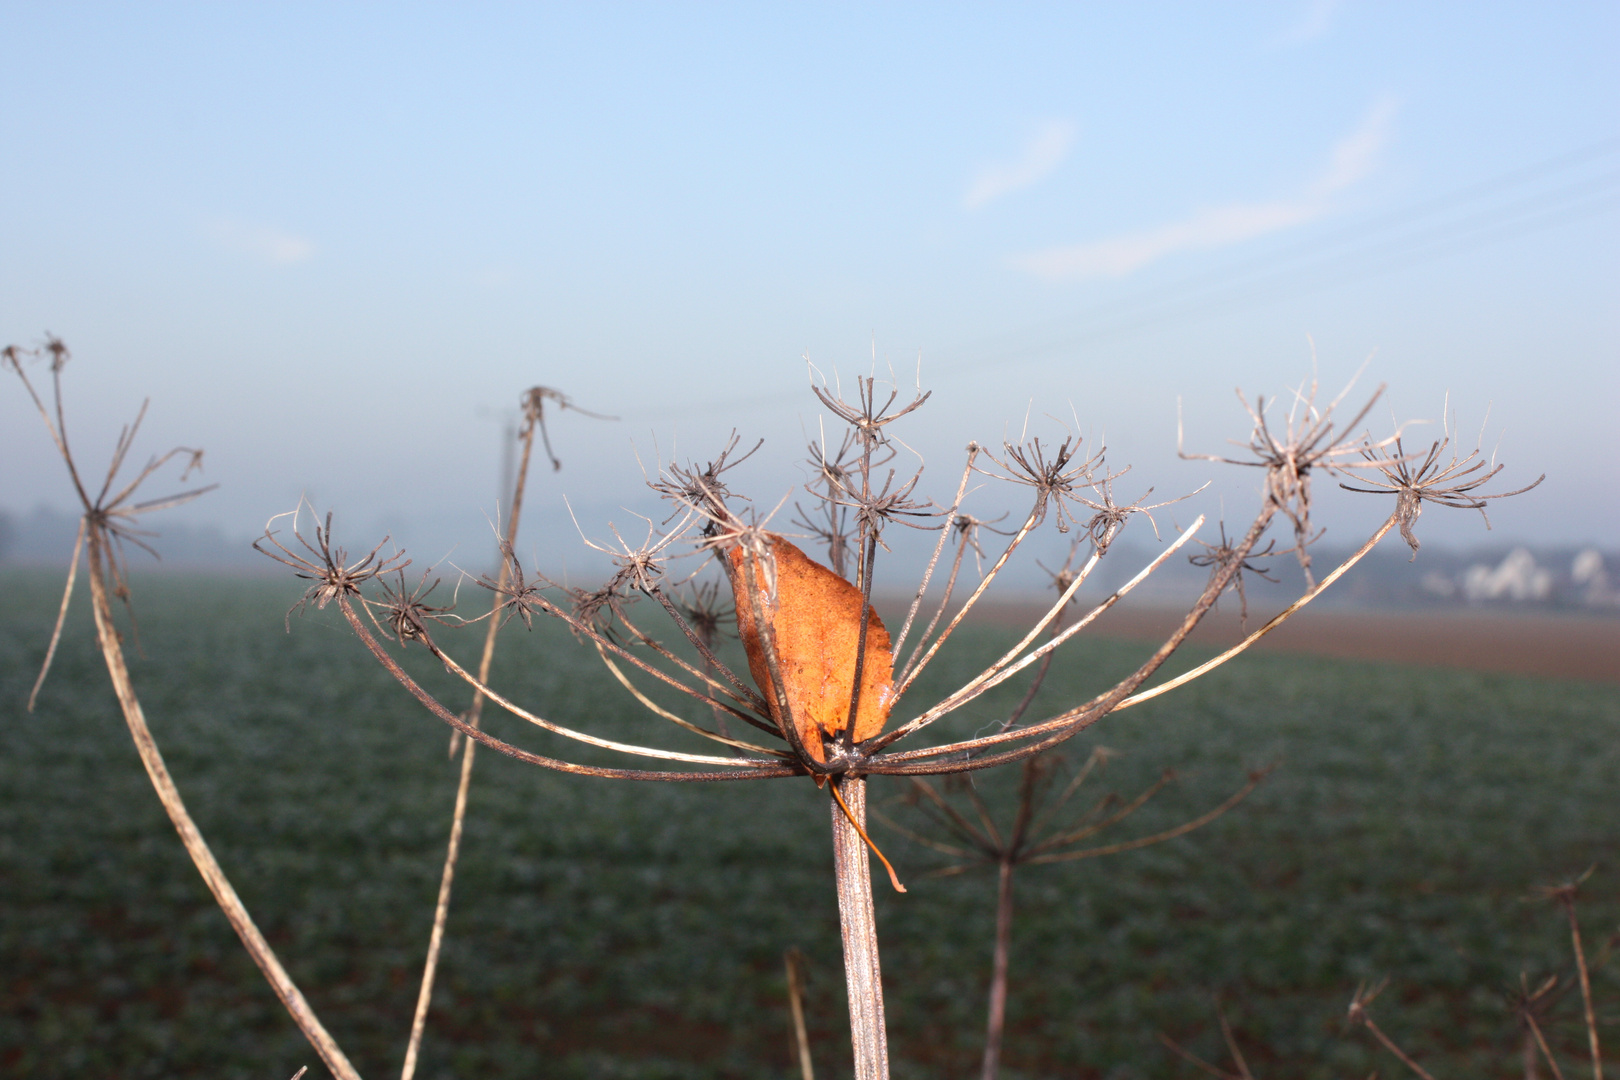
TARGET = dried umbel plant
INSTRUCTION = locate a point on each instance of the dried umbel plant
(825, 675)
(107, 523)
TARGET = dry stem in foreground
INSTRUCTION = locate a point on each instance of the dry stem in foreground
(108, 522)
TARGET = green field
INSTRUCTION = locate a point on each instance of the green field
(608, 929)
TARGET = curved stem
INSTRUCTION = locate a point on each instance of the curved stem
(61, 617)
(1271, 624)
(190, 836)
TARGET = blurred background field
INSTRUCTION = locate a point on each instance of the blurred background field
(607, 929)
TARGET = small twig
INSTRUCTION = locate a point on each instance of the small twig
(794, 959)
(1193, 1059)
(1564, 896)
(61, 617)
(1359, 1015)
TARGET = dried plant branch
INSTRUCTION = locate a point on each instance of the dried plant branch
(1232, 1048)
(61, 616)
(1564, 896)
(100, 530)
(1271, 624)
(1358, 1014)
(795, 963)
(1193, 1059)
(534, 401)
(1255, 779)
(1528, 1005)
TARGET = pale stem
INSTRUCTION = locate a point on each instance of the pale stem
(998, 971)
(1586, 989)
(1546, 1052)
(1012, 545)
(801, 1036)
(939, 547)
(862, 972)
(1389, 1044)
(441, 910)
(991, 678)
(191, 837)
(61, 617)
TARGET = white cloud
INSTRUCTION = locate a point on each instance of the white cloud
(1314, 23)
(1356, 155)
(1041, 155)
(1352, 159)
(262, 242)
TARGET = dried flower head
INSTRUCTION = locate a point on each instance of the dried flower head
(1311, 440)
(328, 567)
(1446, 481)
(1221, 556)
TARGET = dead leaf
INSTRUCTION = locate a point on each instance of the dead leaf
(815, 617)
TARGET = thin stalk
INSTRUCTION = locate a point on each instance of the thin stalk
(441, 910)
(752, 771)
(1546, 1052)
(1389, 1044)
(61, 617)
(862, 971)
(1271, 624)
(1586, 986)
(794, 960)
(928, 574)
(916, 668)
(213, 876)
(998, 971)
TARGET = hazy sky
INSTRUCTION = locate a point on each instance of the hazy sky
(333, 243)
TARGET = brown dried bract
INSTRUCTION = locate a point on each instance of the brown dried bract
(815, 620)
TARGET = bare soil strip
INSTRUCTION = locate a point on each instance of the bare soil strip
(1548, 645)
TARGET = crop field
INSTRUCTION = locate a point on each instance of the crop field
(618, 930)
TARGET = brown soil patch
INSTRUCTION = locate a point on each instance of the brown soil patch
(1548, 645)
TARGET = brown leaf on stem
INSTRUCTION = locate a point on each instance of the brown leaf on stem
(815, 618)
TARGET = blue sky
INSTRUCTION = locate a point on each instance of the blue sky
(333, 243)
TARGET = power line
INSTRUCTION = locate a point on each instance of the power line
(1423, 231)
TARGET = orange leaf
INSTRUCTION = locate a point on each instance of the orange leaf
(815, 617)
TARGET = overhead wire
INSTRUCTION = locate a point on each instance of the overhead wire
(1463, 219)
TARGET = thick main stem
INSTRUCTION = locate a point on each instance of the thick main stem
(190, 836)
(862, 972)
(997, 1021)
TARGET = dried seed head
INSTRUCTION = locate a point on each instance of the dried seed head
(1055, 478)
(328, 567)
(1453, 481)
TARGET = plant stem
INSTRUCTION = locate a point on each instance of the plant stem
(862, 972)
(196, 846)
(441, 911)
(801, 1037)
(998, 971)
(1586, 986)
